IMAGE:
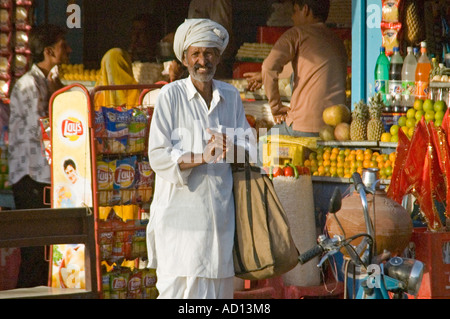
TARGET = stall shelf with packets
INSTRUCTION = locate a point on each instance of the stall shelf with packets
(15, 25)
(123, 186)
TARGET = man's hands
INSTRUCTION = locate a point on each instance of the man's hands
(279, 113)
(216, 150)
(254, 80)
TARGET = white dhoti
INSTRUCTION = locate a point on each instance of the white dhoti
(194, 287)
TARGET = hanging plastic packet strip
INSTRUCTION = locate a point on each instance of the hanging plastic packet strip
(5, 19)
(5, 43)
(22, 17)
(46, 138)
(5, 65)
(389, 32)
(390, 10)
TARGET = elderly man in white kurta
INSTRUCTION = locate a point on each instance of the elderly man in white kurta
(198, 127)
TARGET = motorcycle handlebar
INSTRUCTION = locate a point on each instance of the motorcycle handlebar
(310, 254)
(357, 180)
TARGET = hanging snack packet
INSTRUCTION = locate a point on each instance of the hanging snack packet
(105, 175)
(135, 285)
(136, 131)
(46, 140)
(138, 123)
(116, 124)
(144, 181)
(119, 283)
(116, 121)
(124, 175)
(389, 33)
(390, 10)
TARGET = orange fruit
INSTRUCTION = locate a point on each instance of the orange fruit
(388, 171)
(360, 157)
(392, 157)
(333, 170)
(321, 170)
(326, 155)
(307, 163)
(366, 163)
(373, 164)
(387, 164)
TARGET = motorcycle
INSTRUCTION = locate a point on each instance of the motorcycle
(384, 277)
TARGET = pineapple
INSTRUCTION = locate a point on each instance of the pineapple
(358, 126)
(375, 126)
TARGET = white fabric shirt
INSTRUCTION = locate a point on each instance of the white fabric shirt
(28, 103)
(191, 226)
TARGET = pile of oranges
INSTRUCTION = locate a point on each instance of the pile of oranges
(336, 162)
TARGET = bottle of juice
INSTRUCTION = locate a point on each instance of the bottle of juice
(409, 78)
(395, 74)
(382, 73)
(423, 73)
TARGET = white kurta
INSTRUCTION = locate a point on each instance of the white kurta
(191, 226)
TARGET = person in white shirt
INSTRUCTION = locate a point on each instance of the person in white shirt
(198, 129)
(80, 188)
(29, 171)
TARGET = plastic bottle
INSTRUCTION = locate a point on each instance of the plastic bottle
(395, 74)
(382, 73)
(409, 78)
(423, 73)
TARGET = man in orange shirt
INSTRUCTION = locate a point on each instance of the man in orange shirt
(319, 62)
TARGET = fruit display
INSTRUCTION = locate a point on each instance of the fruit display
(433, 111)
(375, 126)
(77, 72)
(336, 119)
(343, 162)
(288, 170)
(360, 118)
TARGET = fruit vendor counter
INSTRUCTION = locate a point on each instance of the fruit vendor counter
(323, 186)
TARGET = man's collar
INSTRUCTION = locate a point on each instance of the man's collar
(191, 90)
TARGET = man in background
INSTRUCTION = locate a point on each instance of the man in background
(319, 61)
(29, 170)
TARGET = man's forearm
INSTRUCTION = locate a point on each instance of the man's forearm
(190, 160)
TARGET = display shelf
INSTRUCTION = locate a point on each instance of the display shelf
(329, 179)
(439, 85)
(88, 84)
(359, 144)
(355, 144)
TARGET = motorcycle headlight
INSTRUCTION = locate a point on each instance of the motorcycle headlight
(409, 271)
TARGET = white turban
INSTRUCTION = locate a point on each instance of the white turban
(201, 33)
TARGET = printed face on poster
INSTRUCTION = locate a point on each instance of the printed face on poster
(71, 178)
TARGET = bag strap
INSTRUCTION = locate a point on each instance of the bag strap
(248, 178)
